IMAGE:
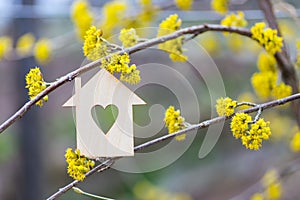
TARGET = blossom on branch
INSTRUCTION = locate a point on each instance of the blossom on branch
(128, 37)
(174, 122)
(263, 83)
(94, 47)
(174, 47)
(225, 106)
(35, 84)
(78, 165)
(251, 133)
(259, 131)
(120, 64)
(268, 38)
(237, 20)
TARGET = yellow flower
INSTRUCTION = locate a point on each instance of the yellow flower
(263, 83)
(257, 196)
(295, 142)
(272, 184)
(42, 51)
(259, 131)
(268, 38)
(184, 4)
(78, 165)
(94, 47)
(274, 191)
(225, 106)
(35, 84)
(174, 47)
(239, 124)
(128, 37)
(266, 62)
(81, 17)
(282, 90)
(5, 46)
(25, 44)
(237, 20)
(120, 64)
(113, 13)
(220, 6)
(174, 122)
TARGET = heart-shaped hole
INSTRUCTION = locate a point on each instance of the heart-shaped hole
(105, 117)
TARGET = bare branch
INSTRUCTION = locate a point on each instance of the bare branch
(70, 76)
(109, 161)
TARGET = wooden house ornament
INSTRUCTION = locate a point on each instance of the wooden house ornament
(103, 89)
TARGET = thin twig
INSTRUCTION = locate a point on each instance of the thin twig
(107, 163)
(101, 167)
(140, 46)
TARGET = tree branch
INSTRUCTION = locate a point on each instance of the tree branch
(286, 66)
(70, 76)
(109, 161)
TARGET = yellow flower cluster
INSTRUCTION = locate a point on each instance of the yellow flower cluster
(251, 138)
(25, 44)
(35, 84)
(220, 6)
(184, 4)
(237, 20)
(295, 142)
(42, 51)
(174, 122)
(259, 131)
(120, 64)
(113, 14)
(78, 165)
(5, 46)
(94, 47)
(265, 81)
(282, 90)
(239, 124)
(266, 62)
(268, 38)
(225, 106)
(174, 47)
(82, 17)
(128, 37)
